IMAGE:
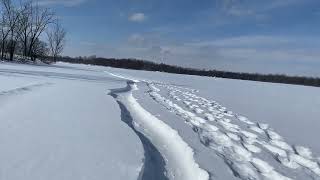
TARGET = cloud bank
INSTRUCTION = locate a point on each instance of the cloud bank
(137, 17)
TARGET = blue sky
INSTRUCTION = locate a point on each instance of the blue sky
(273, 36)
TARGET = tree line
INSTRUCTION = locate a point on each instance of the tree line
(29, 31)
(151, 66)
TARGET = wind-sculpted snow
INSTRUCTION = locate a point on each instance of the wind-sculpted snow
(179, 161)
(5, 95)
(58, 75)
(72, 128)
(251, 150)
(154, 164)
(64, 127)
(23, 89)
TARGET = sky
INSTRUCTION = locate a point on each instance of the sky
(272, 36)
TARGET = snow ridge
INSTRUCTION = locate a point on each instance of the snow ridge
(23, 89)
(57, 75)
(240, 142)
(154, 164)
(180, 164)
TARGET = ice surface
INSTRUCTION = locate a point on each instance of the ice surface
(55, 129)
(60, 122)
(248, 157)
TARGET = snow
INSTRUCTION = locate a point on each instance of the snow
(234, 151)
(62, 129)
(303, 151)
(258, 139)
(179, 156)
(71, 121)
(282, 106)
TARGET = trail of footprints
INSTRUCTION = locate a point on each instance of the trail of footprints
(241, 143)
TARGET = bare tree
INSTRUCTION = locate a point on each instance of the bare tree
(25, 23)
(33, 21)
(4, 32)
(56, 40)
(22, 26)
(10, 19)
(40, 50)
(41, 18)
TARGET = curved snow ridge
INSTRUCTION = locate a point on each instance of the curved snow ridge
(122, 77)
(23, 89)
(180, 164)
(153, 166)
(237, 143)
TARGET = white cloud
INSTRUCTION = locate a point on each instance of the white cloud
(69, 3)
(137, 17)
(136, 39)
(283, 3)
(255, 53)
(240, 12)
(259, 10)
(88, 43)
(247, 41)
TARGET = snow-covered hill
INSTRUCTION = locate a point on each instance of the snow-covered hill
(88, 122)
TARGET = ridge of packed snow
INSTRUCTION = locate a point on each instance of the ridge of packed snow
(180, 164)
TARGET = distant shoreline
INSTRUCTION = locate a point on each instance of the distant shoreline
(135, 64)
(151, 66)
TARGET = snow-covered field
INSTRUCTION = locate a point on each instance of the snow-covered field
(87, 122)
